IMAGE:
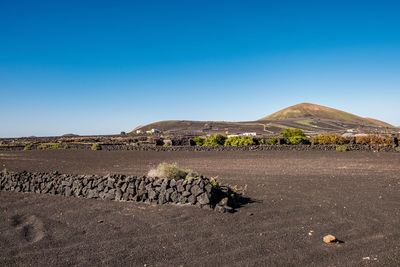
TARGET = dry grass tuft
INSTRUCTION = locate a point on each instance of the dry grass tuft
(169, 171)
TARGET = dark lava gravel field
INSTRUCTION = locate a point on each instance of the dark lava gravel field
(298, 197)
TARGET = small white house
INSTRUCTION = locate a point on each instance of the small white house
(153, 131)
(138, 131)
(348, 135)
(249, 134)
(232, 135)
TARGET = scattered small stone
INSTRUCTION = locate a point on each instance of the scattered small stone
(220, 209)
(206, 207)
(369, 258)
(330, 239)
(228, 209)
(223, 201)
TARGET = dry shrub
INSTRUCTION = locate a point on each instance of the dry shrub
(28, 147)
(341, 148)
(169, 171)
(42, 146)
(95, 146)
(330, 139)
(373, 139)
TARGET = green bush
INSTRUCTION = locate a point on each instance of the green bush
(66, 146)
(96, 147)
(239, 141)
(42, 146)
(199, 141)
(294, 140)
(330, 139)
(28, 147)
(169, 171)
(287, 133)
(215, 140)
(341, 148)
(294, 136)
(273, 140)
(262, 141)
(48, 146)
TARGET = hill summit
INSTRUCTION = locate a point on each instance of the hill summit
(317, 112)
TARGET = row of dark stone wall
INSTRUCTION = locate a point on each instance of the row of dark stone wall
(299, 147)
(191, 191)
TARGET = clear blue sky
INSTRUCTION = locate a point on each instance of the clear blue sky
(101, 67)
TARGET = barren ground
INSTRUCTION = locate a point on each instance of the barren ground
(298, 198)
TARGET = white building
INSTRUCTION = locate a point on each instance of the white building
(153, 131)
(249, 134)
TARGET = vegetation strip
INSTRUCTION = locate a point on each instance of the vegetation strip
(290, 139)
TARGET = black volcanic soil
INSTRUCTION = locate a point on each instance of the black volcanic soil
(298, 198)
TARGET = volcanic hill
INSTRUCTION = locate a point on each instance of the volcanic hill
(313, 119)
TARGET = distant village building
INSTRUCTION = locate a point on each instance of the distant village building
(242, 134)
(138, 131)
(249, 134)
(153, 131)
(348, 135)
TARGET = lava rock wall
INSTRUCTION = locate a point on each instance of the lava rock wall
(199, 192)
(299, 147)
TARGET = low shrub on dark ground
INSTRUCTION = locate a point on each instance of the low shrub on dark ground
(330, 139)
(373, 140)
(239, 141)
